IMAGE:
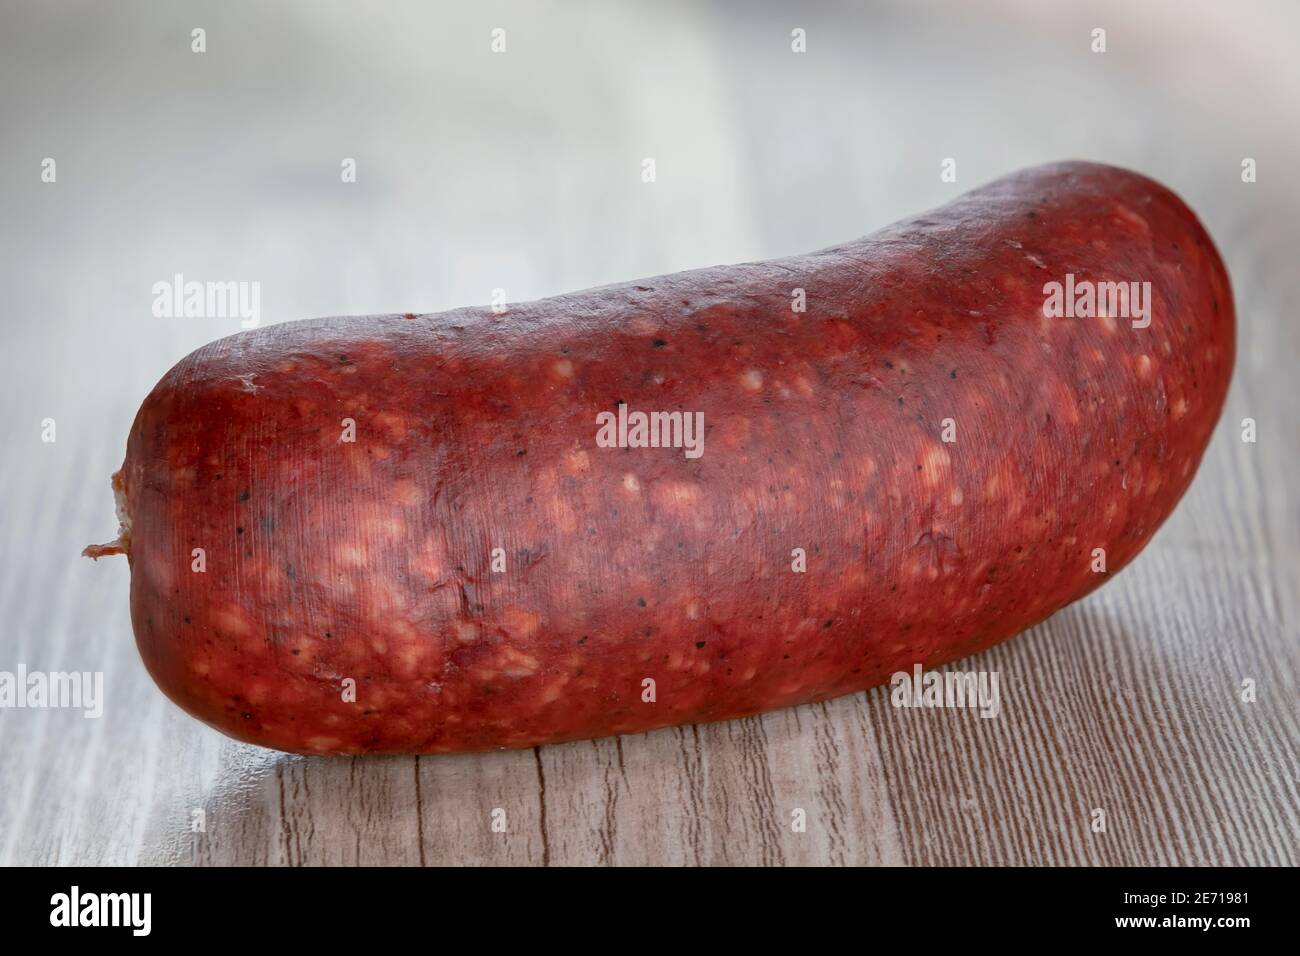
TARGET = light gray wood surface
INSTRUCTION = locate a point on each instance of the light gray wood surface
(522, 171)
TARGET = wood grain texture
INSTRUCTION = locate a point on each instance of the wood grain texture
(1129, 701)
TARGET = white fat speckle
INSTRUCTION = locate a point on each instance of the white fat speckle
(349, 555)
(516, 663)
(935, 464)
(1129, 215)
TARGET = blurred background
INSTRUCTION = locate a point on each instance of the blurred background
(522, 170)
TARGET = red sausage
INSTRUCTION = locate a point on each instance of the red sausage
(947, 457)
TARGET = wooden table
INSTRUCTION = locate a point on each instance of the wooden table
(225, 165)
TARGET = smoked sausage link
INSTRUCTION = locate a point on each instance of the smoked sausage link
(401, 534)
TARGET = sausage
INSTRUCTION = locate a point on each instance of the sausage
(410, 533)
